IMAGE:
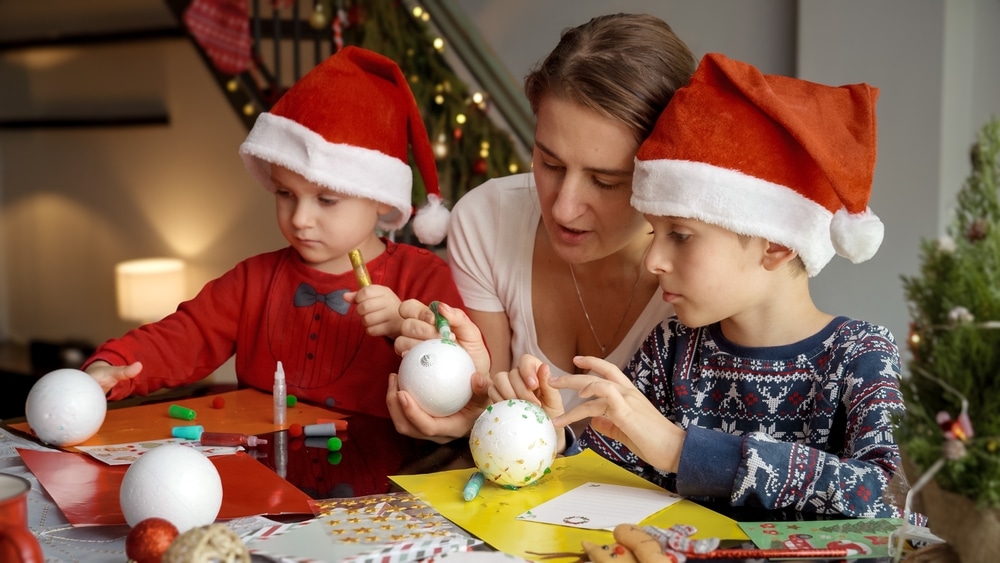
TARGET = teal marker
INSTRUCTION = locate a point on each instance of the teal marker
(187, 432)
(475, 483)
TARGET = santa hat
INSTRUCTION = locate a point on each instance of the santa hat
(347, 125)
(767, 156)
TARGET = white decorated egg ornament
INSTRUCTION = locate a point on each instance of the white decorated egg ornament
(437, 373)
(513, 443)
(65, 407)
(174, 482)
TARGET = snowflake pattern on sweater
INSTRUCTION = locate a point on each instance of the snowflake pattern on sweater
(810, 423)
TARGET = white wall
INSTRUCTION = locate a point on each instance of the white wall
(75, 202)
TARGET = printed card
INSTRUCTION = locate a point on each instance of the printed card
(600, 506)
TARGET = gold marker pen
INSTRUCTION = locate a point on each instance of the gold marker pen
(359, 267)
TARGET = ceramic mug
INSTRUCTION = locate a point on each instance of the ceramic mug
(17, 543)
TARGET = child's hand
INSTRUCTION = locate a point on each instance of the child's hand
(108, 375)
(378, 307)
(410, 420)
(528, 381)
(621, 412)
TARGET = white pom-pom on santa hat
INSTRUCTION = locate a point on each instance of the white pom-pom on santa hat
(349, 124)
(431, 221)
(856, 236)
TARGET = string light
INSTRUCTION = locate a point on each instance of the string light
(232, 85)
(460, 119)
(439, 44)
(249, 109)
(512, 167)
(417, 11)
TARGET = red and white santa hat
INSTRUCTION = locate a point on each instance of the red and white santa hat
(347, 125)
(767, 156)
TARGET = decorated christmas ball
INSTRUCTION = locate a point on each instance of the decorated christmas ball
(513, 443)
(437, 374)
(65, 407)
(173, 482)
(149, 540)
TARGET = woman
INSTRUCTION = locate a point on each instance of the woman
(550, 263)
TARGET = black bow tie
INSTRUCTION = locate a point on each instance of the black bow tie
(306, 296)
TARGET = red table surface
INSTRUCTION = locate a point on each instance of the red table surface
(247, 411)
(87, 490)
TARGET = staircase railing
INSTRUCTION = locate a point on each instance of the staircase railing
(293, 41)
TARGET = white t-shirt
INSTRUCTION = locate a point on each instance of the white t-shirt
(491, 237)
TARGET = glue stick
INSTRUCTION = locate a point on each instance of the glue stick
(280, 397)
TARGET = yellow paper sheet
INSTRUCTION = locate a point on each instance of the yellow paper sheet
(492, 516)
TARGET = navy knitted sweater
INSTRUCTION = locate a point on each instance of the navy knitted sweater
(806, 426)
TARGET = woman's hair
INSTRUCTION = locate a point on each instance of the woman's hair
(622, 66)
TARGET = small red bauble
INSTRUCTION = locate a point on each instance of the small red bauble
(218, 403)
(295, 430)
(479, 166)
(149, 539)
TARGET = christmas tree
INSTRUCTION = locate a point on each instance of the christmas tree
(470, 148)
(952, 393)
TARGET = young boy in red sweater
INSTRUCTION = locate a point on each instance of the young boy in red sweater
(333, 151)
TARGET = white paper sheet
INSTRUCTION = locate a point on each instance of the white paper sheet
(599, 506)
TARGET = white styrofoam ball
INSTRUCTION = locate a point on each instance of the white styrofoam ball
(173, 482)
(513, 443)
(65, 407)
(437, 374)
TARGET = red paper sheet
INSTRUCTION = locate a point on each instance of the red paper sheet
(86, 490)
(247, 411)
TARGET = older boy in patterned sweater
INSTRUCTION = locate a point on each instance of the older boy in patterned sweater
(750, 393)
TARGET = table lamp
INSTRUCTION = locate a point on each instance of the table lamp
(149, 289)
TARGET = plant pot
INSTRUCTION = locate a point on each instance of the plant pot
(973, 533)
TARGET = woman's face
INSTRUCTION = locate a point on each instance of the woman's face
(583, 165)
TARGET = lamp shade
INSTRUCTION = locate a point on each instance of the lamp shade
(149, 289)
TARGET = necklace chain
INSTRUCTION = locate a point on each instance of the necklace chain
(586, 314)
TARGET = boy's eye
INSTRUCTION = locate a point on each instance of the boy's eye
(679, 237)
(603, 185)
(328, 201)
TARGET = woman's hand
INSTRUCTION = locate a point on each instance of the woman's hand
(411, 420)
(621, 412)
(419, 325)
(407, 416)
(108, 375)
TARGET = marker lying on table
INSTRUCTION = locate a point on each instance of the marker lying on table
(187, 432)
(325, 429)
(230, 439)
(472, 488)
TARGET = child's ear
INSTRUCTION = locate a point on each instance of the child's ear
(383, 208)
(776, 256)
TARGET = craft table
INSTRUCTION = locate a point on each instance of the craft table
(372, 451)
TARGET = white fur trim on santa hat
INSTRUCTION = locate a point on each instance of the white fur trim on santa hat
(345, 169)
(856, 236)
(737, 202)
